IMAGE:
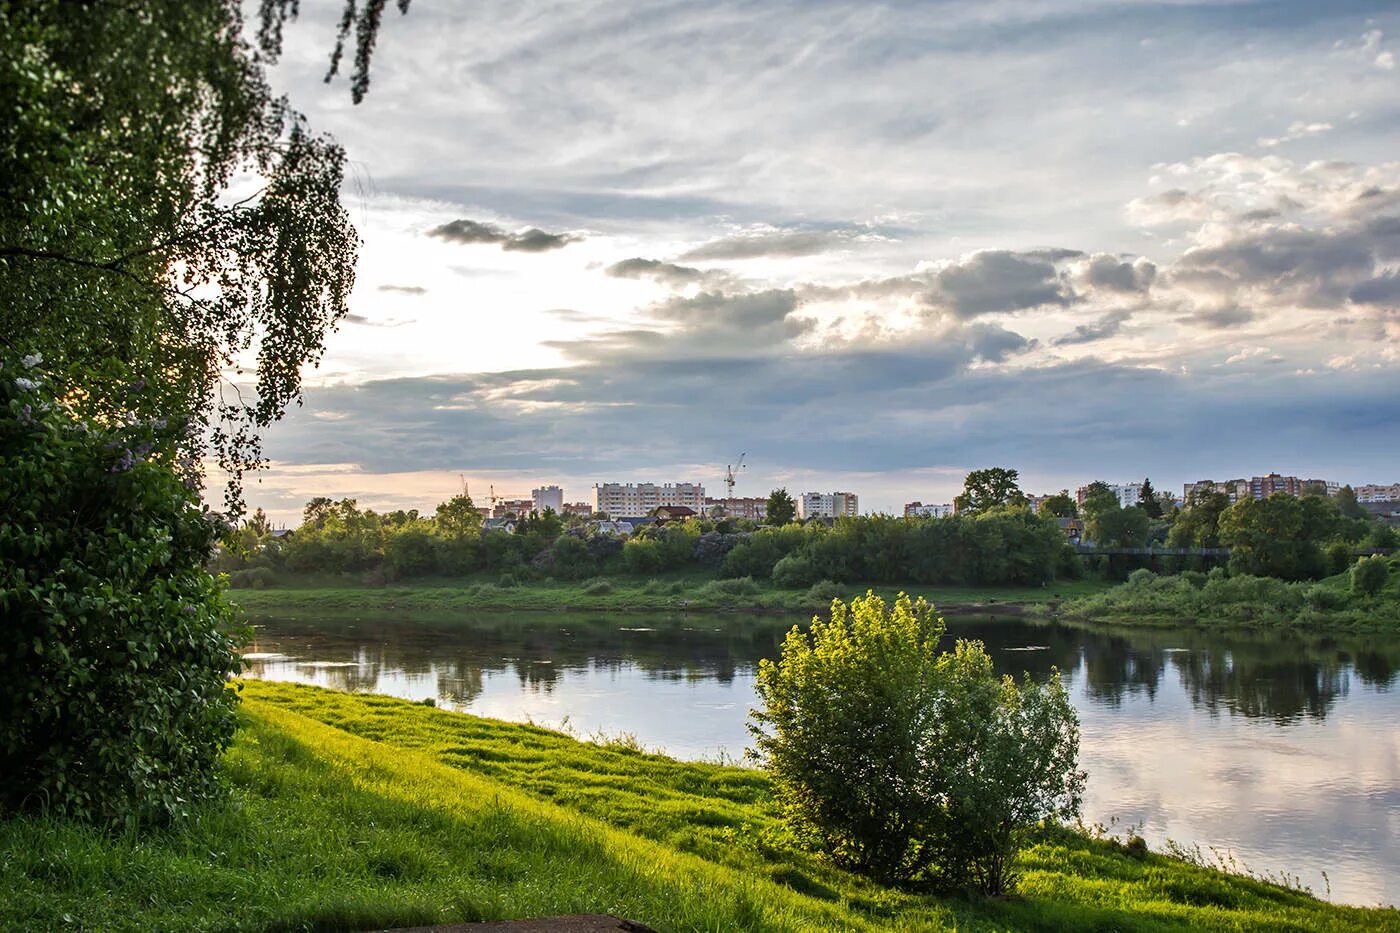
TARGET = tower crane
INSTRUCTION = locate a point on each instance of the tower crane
(729, 471)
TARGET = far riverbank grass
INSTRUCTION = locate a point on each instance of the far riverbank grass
(673, 593)
(1218, 601)
(353, 812)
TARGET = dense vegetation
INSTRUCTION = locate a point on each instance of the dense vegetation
(1365, 599)
(1005, 546)
(357, 812)
(117, 642)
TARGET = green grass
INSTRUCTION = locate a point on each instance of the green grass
(1242, 602)
(350, 812)
(669, 593)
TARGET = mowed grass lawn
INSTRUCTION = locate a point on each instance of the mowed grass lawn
(353, 812)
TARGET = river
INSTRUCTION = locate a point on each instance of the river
(1281, 752)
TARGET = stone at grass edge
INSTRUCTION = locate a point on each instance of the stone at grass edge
(581, 923)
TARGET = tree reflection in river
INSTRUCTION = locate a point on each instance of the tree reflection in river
(1257, 675)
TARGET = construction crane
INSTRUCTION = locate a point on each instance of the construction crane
(729, 471)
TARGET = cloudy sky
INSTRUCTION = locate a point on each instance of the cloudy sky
(872, 245)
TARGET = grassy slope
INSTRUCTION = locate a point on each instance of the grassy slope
(667, 594)
(352, 811)
(1328, 604)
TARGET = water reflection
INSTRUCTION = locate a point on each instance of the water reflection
(1280, 747)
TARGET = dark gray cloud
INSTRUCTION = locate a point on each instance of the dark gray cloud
(784, 243)
(1220, 318)
(1105, 327)
(1120, 275)
(666, 272)
(403, 289)
(531, 240)
(535, 240)
(1311, 267)
(363, 321)
(915, 406)
(998, 280)
(1383, 290)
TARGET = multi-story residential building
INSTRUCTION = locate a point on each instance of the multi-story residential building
(548, 497)
(828, 505)
(517, 507)
(751, 507)
(1375, 493)
(1262, 487)
(919, 510)
(641, 498)
(581, 509)
(1128, 493)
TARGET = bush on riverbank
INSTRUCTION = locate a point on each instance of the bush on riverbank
(902, 762)
(362, 812)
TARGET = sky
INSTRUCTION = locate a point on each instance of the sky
(872, 246)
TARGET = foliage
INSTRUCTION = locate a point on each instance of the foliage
(1148, 500)
(1060, 505)
(126, 255)
(1369, 575)
(1108, 524)
(988, 489)
(780, 508)
(113, 705)
(794, 572)
(1279, 536)
(896, 761)
(1223, 599)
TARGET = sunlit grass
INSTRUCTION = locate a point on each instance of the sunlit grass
(350, 812)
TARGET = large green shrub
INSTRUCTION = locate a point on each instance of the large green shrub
(1368, 575)
(901, 762)
(114, 703)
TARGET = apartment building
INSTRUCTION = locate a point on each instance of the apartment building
(1375, 493)
(1128, 494)
(548, 497)
(919, 510)
(581, 509)
(641, 498)
(517, 507)
(827, 505)
(750, 507)
(1262, 487)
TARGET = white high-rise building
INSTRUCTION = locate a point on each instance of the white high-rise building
(548, 497)
(919, 510)
(640, 498)
(827, 505)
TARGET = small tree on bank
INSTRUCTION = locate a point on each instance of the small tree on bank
(903, 763)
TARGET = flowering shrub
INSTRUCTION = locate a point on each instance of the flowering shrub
(117, 643)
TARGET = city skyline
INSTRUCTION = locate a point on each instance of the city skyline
(874, 247)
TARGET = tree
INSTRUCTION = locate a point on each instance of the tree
(458, 518)
(1369, 575)
(988, 489)
(1279, 536)
(902, 763)
(1148, 500)
(780, 508)
(1060, 505)
(126, 259)
(1347, 504)
(114, 701)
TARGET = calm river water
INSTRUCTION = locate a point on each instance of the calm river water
(1282, 751)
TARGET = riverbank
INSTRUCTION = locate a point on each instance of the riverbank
(355, 812)
(672, 594)
(1217, 601)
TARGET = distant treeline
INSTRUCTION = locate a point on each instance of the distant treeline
(994, 540)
